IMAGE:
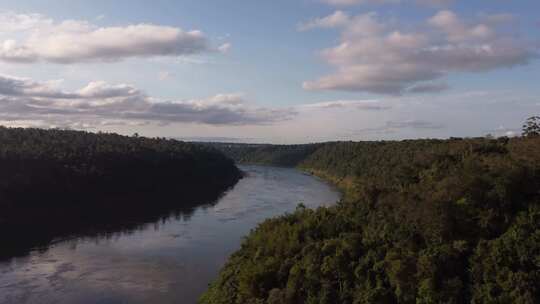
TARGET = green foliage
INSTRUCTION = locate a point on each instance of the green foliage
(531, 126)
(261, 154)
(507, 269)
(423, 221)
(47, 161)
(67, 181)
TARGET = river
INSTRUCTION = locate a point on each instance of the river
(171, 261)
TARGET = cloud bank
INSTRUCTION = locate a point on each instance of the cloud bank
(378, 57)
(365, 105)
(396, 126)
(104, 106)
(100, 104)
(28, 38)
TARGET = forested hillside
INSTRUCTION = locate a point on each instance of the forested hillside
(422, 221)
(264, 154)
(54, 183)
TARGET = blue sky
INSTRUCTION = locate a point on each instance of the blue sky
(272, 71)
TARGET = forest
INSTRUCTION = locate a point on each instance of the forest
(421, 221)
(55, 183)
(266, 154)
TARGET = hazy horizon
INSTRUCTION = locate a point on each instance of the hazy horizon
(271, 71)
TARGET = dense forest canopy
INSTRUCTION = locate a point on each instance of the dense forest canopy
(58, 182)
(265, 154)
(422, 221)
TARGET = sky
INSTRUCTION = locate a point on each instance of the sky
(281, 71)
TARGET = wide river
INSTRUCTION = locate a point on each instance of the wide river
(171, 261)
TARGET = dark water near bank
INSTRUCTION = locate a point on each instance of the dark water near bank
(167, 262)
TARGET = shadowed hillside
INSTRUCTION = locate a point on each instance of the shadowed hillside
(57, 183)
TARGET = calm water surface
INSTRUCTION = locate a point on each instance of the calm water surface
(167, 262)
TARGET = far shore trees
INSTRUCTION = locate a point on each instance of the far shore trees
(531, 126)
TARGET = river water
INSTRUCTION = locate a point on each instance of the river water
(171, 261)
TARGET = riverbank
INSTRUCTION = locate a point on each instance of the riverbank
(55, 183)
(424, 221)
(171, 260)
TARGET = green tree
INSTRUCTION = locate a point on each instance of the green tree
(55, 183)
(421, 221)
(531, 126)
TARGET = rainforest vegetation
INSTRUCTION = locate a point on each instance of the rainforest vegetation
(54, 183)
(421, 221)
(264, 154)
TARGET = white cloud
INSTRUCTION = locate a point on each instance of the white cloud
(366, 105)
(358, 2)
(433, 3)
(99, 103)
(458, 31)
(338, 18)
(33, 37)
(225, 48)
(11, 22)
(376, 57)
(165, 75)
(16, 86)
(393, 127)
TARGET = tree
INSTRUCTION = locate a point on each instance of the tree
(421, 221)
(531, 126)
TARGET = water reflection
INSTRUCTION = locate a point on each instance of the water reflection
(21, 238)
(168, 261)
